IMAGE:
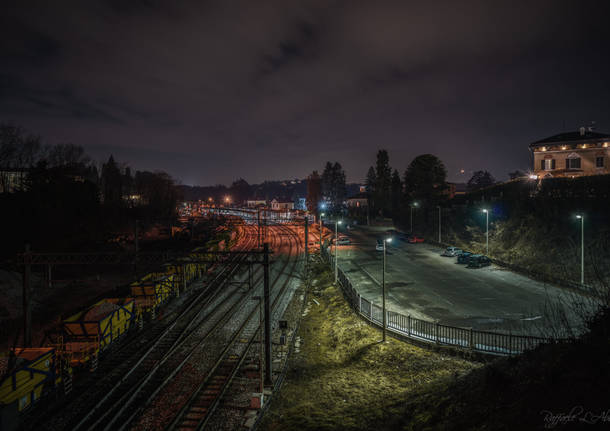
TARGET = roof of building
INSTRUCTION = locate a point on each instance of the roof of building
(576, 136)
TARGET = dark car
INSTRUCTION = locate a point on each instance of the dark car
(464, 257)
(478, 261)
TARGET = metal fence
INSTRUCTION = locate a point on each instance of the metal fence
(406, 326)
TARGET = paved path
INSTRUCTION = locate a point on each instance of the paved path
(426, 285)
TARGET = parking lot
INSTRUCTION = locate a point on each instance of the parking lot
(422, 283)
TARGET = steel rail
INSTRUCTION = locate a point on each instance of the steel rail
(174, 372)
(188, 407)
(141, 385)
(230, 267)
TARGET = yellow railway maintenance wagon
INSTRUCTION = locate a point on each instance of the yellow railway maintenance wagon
(98, 326)
(26, 374)
(153, 290)
(185, 273)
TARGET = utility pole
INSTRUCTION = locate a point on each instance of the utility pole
(384, 323)
(268, 381)
(582, 251)
(137, 247)
(321, 215)
(27, 312)
(581, 217)
(306, 241)
(439, 224)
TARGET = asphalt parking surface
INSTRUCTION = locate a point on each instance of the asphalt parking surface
(422, 283)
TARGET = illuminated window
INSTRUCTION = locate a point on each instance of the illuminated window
(547, 164)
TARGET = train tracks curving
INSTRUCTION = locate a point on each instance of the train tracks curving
(134, 360)
(198, 411)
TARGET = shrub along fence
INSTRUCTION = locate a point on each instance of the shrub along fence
(422, 330)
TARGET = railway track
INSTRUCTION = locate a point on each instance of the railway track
(199, 409)
(131, 362)
(124, 409)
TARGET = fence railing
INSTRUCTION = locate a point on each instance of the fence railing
(496, 343)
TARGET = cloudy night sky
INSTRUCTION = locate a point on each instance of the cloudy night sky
(216, 90)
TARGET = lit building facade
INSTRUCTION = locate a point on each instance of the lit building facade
(572, 154)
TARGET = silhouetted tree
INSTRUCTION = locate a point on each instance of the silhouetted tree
(396, 194)
(333, 186)
(111, 181)
(479, 180)
(240, 191)
(425, 179)
(383, 182)
(371, 187)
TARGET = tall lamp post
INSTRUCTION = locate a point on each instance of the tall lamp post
(582, 248)
(321, 215)
(413, 205)
(486, 230)
(384, 323)
(337, 223)
(439, 223)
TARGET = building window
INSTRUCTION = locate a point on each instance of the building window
(547, 164)
(573, 163)
(599, 162)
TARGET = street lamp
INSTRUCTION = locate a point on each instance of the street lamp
(582, 248)
(439, 223)
(337, 223)
(384, 323)
(414, 204)
(486, 229)
(321, 215)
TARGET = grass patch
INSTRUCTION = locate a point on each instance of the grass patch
(343, 378)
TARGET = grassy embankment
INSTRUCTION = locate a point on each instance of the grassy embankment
(342, 378)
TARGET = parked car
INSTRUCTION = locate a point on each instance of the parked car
(478, 261)
(414, 239)
(451, 252)
(343, 241)
(464, 257)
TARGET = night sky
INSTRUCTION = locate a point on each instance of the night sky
(215, 90)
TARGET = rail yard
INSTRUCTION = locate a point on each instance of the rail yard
(187, 338)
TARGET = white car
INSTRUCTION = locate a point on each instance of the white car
(379, 246)
(451, 252)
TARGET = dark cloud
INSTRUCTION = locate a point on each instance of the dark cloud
(211, 91)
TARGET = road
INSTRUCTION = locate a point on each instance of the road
(426, 285)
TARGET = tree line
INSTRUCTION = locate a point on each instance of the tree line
(54, 194)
